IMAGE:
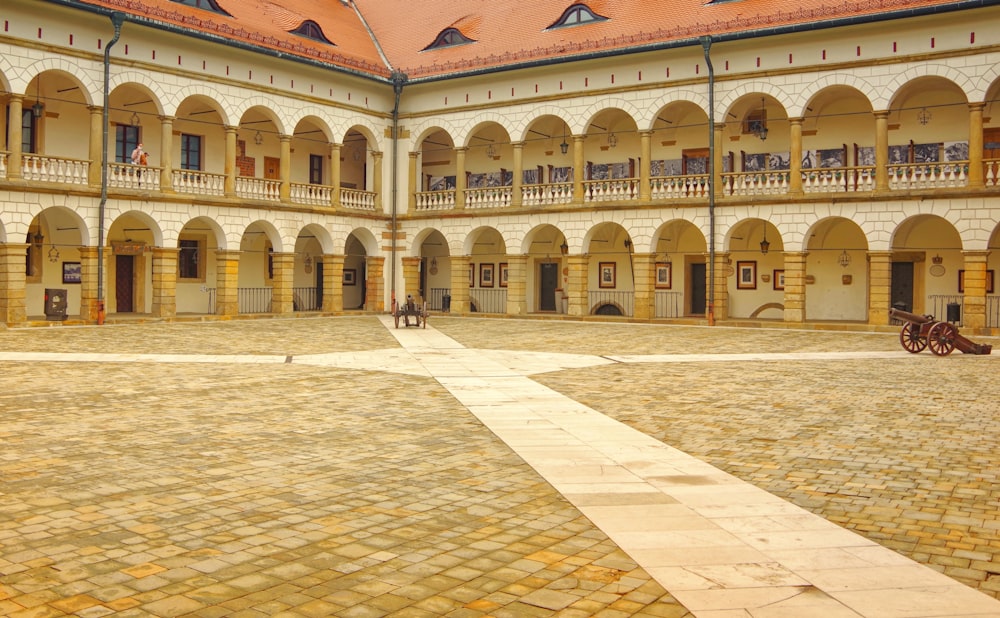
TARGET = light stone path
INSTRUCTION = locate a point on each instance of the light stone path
(721, 547)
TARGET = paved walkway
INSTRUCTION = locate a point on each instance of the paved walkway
(342, 490)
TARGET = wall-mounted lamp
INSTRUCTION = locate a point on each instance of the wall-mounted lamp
(134, 120)
(628, 244)
(564, 147)
(762, 128)
(844, 259)
(764, 245)
(53, 254)
(258, 138)
(612, 139)
(37, 239)
(491, 150)
(923, 116)
(564, 248)
(38, 109)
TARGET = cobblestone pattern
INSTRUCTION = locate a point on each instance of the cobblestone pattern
(277, 490)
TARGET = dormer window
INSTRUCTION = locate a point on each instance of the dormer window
(448, 38)
(208, 5)
(576, 15)
(311, 30)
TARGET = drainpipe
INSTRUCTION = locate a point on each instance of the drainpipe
(116, 20)
(706, 44)
(398, 81)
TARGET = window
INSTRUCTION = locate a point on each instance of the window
(311, 30)
(189, 260)
(576, 15)
(208, 5)
(29, 132)
(190, 152)
(126, 140)
(449, 37)
(315, 169)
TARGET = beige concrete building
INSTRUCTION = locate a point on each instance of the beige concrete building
(661, 160)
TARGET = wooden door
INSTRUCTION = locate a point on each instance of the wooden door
(124, 278)
(699, 285)
(272, 168)
(902, 285)
(548, 277)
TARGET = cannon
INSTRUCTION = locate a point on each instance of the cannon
(922, 331)
(410, 309)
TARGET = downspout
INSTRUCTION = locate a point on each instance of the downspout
(706, 44)
(116, 20)
(398, 81)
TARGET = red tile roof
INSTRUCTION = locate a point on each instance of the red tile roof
(506, 33)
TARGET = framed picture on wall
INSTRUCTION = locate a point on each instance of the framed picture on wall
(503, 274)
(606, 272)
(746, 275)
(350, 276)
(472, 275)
(779, 279)
(485, 275)
(71, 272)
(664, 276)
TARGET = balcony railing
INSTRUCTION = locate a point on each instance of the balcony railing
(547, 194)
(3, 164)
(129, 176)
(43, 168)
(615, 190)
(938, 306)
(196, 181)
(928, 175)
(435, 200)
(838, 179)
(611, 302)
(991, 172)
(305, 299)
(357, 199)
(486, 300)
(489, 197)
(755, 183)
(668, 304)
(316, 195)
(435, 300)
(673, 187)
(265, 189)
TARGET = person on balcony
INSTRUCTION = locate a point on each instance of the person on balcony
(138, 155)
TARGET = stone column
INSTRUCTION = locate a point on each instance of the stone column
(460, 183)
(974, 296)
(333, 282)
(460, 283)
(795, 162)
(879, 286)
(335, 176)
(795, 286)
(516, 194)
(723, 266)
(882, 154)
(645, 156)
(716, 177)
(230, 165)
(227, 265)
(412, 184)
(88, 283)
(285, 168)
(644, 266)
(578, 168)
(377, 182)
(96, 141)
(167, 153)
(283, 276)
(14, 137)
(517, 284)
(577, 284)
(165, 282)
(411, 280)
(375, 284)
(12, 284)
(976, 146)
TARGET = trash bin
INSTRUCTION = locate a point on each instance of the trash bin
(446, 303)
(55, 304)
(954, 313)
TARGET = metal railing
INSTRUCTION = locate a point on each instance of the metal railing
(487, 300)
(253, 300)
(668, 304)
(435, 299)
(611, 302)
(938, 306)
(44, 168)
(993, 311)
(305, 299)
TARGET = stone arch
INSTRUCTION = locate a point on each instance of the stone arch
(143, 82)
(836, 80)
(90, 90)
(685, 95)
(724, 106)
(206, 93)
(523, 124)
(626, 107)
(901, 80)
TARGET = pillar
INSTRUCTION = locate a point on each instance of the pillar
(88, 284)
(12, 283)
(976, 145)
(882, 156)
(283, 277)
(230, 164)
(795, 164)
(285, 168)
(227, 274)
(377, 181)
(578, 167)
(375, 284)
(460, 283)
(14, 137)
(644, 268)
(460, 181)
(413, 186)
(165, 282)
(795, 286)
(516, 192)
(335, 177)
(716, 178)
(576, 284)
(974, 296)
(879, 286)
(411, 280)
(645, 156)
(96, 142)
(517, 285)
(166, 153)
(723, 270)
(333, 282)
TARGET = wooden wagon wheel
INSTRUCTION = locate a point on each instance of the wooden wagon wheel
(910, 338)
(941, 338)
(395, 313)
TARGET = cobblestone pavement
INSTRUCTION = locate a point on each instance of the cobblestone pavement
(140, 489)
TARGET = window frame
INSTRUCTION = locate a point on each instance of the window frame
(575, 12)
(186, 151)
(316, 165)
(449, 37)
(126, 143)
(205, 5)
(184, 245)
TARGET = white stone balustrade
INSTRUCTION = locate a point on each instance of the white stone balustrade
(44, 168)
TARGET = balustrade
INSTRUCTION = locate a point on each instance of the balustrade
(547, 194)
(265, 189)
(307, 193)
(675, 187)
(3, 164)
(614, 190)
(195, 181)
(755, 183)
(130, 176)
(45, 168)
(435, 200)
(357, 199)
(489, 197)
(928, 175)
(838, 179)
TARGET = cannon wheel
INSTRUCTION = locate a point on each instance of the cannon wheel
(941, 338)
(910, 338)
(395, 313)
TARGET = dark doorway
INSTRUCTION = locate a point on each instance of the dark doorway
(319, 285)
(548, 277)
(902, 285)
(124, 277)
(699, 284)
